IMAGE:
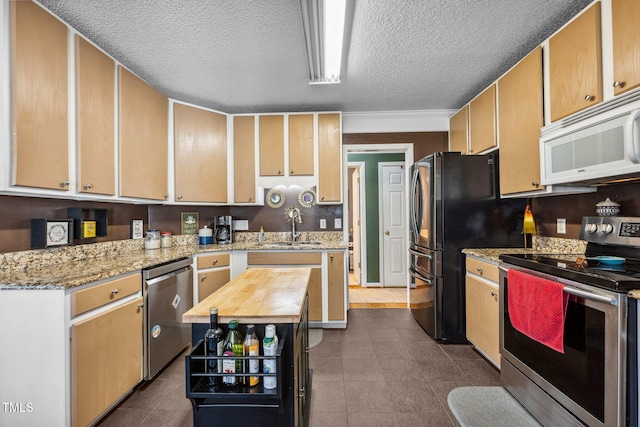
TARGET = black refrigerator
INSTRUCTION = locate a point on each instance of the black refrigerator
(454, 204)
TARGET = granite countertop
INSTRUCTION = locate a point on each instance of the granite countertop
(279, 298)
(39, 273)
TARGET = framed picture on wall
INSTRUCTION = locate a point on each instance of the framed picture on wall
(189, 222)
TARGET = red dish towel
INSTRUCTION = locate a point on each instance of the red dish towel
(537, 308)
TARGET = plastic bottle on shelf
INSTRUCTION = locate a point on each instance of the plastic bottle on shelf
(270, 348)
(214, 346)
(252, 348)
(233, 346)
(261, 234)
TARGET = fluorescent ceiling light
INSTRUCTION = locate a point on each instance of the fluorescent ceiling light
(323, 22)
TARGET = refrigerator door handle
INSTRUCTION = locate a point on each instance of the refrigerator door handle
(416, 253)
(412, 205)
(420, 277)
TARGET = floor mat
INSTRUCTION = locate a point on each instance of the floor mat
(315, 337)
(488, 407)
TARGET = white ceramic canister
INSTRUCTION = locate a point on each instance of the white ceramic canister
(205, 236)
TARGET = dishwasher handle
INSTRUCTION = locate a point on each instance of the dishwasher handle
(168, 267)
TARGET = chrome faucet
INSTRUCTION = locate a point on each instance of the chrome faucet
(293, 215)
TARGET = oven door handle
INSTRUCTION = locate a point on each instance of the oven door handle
(416, 253)
(589, 295)
(420, 277)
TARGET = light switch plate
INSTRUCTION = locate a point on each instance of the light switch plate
(241, 224)
(561, 225)
(337, 223)
(323, 223)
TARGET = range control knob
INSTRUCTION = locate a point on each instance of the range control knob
(607, 228)
(591, 228)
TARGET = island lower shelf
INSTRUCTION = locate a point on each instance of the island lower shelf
(240, 405)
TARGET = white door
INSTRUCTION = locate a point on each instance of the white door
(393, 224)
(355, 211)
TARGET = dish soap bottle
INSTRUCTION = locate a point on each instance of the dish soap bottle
(261, 234)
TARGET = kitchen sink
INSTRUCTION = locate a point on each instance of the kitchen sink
(289, 244)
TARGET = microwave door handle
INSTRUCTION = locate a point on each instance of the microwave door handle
(420, 277)
(632, 137)
(589, 295)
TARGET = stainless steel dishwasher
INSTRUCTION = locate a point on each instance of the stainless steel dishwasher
(168, 294)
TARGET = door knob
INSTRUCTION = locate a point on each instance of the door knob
(386, 232)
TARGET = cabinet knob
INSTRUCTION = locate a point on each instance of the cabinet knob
(115, 291)
(279, 172)
(64, 183)
(166, 197)
(331, 257)
(179, 196)
(141, 305)
(589, 97)
(479, 270)
(494, 294)
(321, 197)
(535, 184)
(203, 278)
(251, 198)
(88, 186)
(215, 261)
(292, 172)
(618, 83)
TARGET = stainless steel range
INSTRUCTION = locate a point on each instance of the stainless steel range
(594, 381)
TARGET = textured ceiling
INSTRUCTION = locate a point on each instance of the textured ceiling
(249, 55)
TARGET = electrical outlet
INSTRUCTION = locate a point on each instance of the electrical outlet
(337, 223)
(240, 224)
(561, 225)
(323, 223)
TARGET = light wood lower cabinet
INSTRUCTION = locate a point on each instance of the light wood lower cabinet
(106, 359)
(336, 285)
(212, 272)
(482, 308)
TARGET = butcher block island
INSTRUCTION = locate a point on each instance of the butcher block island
(259, 296)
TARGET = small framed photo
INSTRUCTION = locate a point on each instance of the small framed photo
(46, 233)
(137, 229)
(189, 221)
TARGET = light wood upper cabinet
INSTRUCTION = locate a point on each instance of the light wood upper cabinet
(271, 145)
(626, 45)
(143, 119)
(244, 157)
(575, 65)
(482, 121)
(329, 158)
(459, 130)
(39, 59)
(200, 150)
(520, 115)
(95, 95)
(301, 156)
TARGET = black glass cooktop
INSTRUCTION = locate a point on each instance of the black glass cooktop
(620, 278)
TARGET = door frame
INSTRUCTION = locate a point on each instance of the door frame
(362, 252)
(381, 165)
(407, 150)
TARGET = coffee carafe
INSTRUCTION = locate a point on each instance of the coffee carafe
(223, 229)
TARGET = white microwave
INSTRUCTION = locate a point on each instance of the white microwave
(600, 149)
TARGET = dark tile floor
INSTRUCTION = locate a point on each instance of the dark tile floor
(383, 370)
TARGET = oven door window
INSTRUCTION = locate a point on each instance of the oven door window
(579, 373)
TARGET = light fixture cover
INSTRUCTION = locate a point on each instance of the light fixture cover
(323, 23)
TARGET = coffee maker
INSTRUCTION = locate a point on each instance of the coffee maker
(223, 231)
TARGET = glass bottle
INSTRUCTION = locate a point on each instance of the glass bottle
(214, 346)
(270, 348)
(252, 348)
(233, 346)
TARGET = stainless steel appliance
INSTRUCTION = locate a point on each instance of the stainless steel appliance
(223, 229)
(168, 294)
(595, 381)
(454, 204)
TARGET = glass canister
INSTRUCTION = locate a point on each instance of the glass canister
(152, 239)
(165, 238)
